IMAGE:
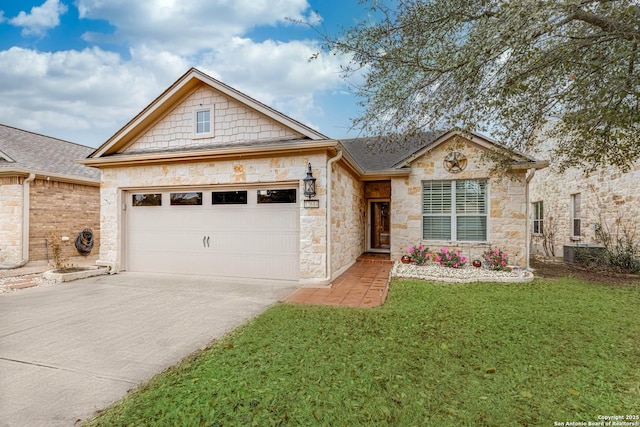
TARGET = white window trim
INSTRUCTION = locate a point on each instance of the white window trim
(536, 218)
(454, 215)
(575, 236)
(195, 123)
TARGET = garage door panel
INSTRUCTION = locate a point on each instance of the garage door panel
(163, 240)
(259, 241)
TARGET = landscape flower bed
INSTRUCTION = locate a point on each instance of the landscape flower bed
(464, 274)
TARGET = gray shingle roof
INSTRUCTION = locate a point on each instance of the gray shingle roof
(380, 153)
(42, 154)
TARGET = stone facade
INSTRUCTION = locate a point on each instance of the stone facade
(11, 219)
(507, 204)
(64, 209)
(609, 199)
(377, 189)
(285, 169)
(232, 123)
(347, 218)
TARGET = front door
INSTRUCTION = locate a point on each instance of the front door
(379, 222)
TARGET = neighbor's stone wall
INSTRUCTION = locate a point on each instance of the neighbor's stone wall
(347, 218)
(609, 199)
(64, 209)
(232, 123)
(211, 173)
(507, 204)
(10, 219)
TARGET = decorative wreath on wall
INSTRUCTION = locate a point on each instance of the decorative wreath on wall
(84, 241)
(455, 162)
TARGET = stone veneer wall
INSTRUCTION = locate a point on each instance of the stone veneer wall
(609, 198)
(347, 218)
(64, 209)
(231, 123)
(212, 173)
(10, 219)
(377, 189)
(507, 206)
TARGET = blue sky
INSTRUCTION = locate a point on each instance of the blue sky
(80, 69)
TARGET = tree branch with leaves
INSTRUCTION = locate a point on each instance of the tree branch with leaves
(521, 70)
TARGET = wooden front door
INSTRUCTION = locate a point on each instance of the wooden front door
(380, 221)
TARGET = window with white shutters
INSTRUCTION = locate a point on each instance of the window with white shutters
(454, 210)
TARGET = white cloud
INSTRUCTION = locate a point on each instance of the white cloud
(278, 74)
(186, 27)
(41, 18)
(89, 93)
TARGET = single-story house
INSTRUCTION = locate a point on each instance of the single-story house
(43, 189)
(208, 181)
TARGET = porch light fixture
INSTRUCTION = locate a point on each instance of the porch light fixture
(310, 190)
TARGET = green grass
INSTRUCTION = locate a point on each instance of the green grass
(434, 354)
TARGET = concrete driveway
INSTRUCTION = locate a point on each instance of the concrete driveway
(68, 350)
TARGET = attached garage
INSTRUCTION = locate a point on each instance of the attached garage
(246, 233)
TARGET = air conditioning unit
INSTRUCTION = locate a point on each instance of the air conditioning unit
(572, 252)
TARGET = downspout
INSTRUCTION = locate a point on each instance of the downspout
(528, 178)
(330, 163)
(25, 224)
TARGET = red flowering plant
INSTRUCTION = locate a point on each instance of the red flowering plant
(495, 259)
(419, 254)
(447, 258)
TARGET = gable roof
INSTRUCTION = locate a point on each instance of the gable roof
(380, 154)
(178, 90)
(24, 152)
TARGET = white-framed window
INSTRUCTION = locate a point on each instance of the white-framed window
(202, 122)
(538, 217)
(576, 215)
(455, 210)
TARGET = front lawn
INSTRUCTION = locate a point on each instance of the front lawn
(560, 350)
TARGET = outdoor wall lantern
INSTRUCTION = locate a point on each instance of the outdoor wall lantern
(310, 190)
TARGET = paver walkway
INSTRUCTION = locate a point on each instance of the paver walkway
(364, 284)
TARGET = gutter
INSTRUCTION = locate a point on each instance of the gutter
(327, 279)
(329, 187)
(25, 224)
(227, 152)
(530, 173)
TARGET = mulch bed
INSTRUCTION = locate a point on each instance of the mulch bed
(552, 269)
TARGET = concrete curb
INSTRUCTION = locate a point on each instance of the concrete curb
(55, 277)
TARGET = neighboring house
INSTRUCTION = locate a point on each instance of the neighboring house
(572, 209)
(209, 181)
(43, 189)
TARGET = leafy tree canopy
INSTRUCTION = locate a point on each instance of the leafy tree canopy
(522, 71)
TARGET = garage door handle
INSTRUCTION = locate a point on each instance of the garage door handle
(207, 241)
(204, 241)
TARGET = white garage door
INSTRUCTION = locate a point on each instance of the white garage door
(251, 233)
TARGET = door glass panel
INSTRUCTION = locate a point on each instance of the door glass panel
(277, 196)
(380, 225)
(229, 198)
(182, 199)
(146, 199)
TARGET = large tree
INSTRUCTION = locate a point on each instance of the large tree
(509, 68)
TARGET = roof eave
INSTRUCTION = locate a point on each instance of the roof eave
(180, 88)
(221, 153)
(535, 164)
(50, 176)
